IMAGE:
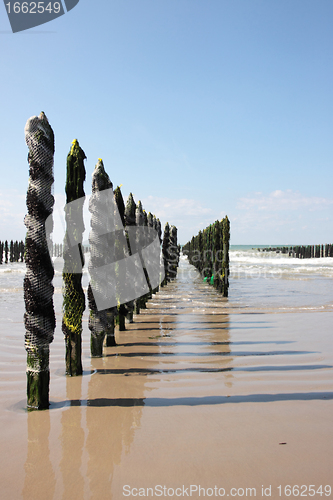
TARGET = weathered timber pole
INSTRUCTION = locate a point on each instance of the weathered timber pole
(98, 319)
(39, 318)
(126, 310)
(140, 221)
(165, 252)
(225, 263)
(173, 253)
(217, 255)
(152, 223)
(6, 252)
(73, 294)
(120, 207)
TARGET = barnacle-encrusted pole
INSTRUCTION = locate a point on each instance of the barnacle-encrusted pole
(225, 263)
(73, 295)
(158, 228)
(148, 295)
(39, 317)
(217, 254)
(173, 253)
(155, 224)
(127, 309)
(113, 312)
(165, 252)
(6, 252)
(98, 320)
(141, 219)
(150, 220)
(11, 251)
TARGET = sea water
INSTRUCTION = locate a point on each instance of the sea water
(269, 280)
(200, 389)
(264, 280)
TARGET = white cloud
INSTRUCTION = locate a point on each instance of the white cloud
(168, 207)
(281, 216)
(283, 200)
(188, 215)
(12, 212)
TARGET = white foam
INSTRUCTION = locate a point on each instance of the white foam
(257, 263)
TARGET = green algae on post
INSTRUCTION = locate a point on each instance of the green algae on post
(208, 251)
(73, 295)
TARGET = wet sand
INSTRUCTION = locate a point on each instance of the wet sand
(199, 391)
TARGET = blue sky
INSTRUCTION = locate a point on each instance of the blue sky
(201, 108)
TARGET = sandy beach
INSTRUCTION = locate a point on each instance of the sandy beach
(202, 396)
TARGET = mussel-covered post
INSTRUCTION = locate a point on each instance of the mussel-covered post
(123, 310)
(39, 315)
(130, 220)
(217, 255)
(156, 224)
(141, 219)
(165, 253)
(73, 294)
(6, 252)
(99, 248)
(225, 262)
(173, 253)
(120, 208)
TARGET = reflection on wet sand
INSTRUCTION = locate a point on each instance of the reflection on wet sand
(193, 393)
(39, 480)
(110, 429)
(72, 443)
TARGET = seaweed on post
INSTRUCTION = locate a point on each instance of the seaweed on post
(225, 262)
(39, 317)
(73, 295)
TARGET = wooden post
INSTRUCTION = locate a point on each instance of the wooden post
(165, 251)
(39, 317)
(74, 299)
(98, 319)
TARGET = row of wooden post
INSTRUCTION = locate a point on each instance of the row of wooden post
(303, 251)
(208, 251)
(12, 252)
(39, 317)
